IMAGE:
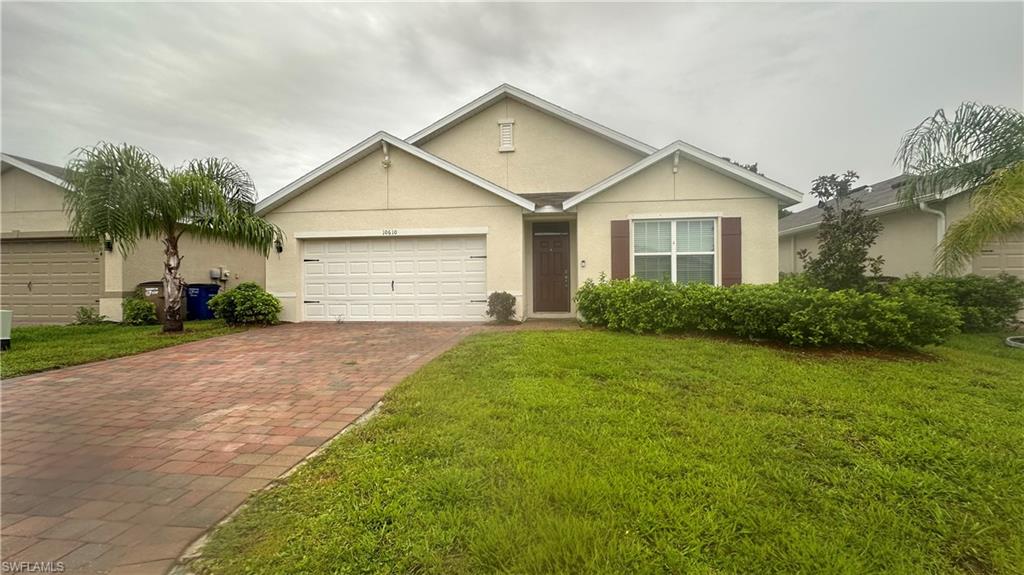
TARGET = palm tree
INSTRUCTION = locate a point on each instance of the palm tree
(121, 194)
(980, 150)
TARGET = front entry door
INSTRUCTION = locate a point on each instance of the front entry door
(551, 267)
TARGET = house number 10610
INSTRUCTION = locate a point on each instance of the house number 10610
(390, 232)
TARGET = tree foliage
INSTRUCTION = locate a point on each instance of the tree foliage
(122, 193)
(980, 149)
(845, 236)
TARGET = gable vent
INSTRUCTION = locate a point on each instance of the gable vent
(506, 142)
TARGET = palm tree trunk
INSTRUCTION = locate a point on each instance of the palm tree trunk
(173, 285)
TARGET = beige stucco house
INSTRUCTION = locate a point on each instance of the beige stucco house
(45, 276)
(511, 193)
(909, 235)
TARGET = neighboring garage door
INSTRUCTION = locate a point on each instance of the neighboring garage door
(46, 281)
(1002, 257)
(423, 278)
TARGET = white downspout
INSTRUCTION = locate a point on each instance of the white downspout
(940, 223)
(941, 227)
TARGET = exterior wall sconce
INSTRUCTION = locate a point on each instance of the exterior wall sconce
(108, 245)
(278, 246)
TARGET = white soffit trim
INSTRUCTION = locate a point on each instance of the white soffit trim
(531, 100)
(368, 146)
(33, 170)
(787, 195)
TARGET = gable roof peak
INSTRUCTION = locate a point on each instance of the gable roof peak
(783, 193)
(49, 172)
(508, 90)
(368, 146)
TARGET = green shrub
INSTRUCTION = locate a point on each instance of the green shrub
(985, 303)
(137, 311)
(88, 316)
(788, 312)
(247, 304)
(501, 306)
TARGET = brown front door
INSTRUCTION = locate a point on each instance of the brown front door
(551, 267)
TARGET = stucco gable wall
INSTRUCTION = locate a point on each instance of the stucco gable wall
(410, 183)
(693, 182)
(550, 155)
(30, 204)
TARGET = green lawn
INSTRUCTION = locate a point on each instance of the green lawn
(39, 348)
(597, 452)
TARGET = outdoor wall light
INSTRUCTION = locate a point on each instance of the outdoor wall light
(108, 245)
(278, 246)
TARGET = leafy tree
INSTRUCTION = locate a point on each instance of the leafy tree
(980, 150)
(750, 167)
(121, 193)
(845, 236)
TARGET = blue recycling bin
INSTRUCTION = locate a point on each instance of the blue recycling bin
(197, 298)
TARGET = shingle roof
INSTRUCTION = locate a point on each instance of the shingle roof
(55, 171)
(874, 197)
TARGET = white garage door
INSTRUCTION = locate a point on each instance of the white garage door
(423, 278)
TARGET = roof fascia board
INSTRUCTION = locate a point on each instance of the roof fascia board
(362, 149)
(876, 211)
(771, 187)
(536, 102)
(26, 167)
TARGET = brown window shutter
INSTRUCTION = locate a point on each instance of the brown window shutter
(620, 249)
(732, 264)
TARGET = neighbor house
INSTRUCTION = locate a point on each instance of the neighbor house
(45, 275)
(909, 235)
(512, 193)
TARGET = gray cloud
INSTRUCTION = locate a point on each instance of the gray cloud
(803, 89)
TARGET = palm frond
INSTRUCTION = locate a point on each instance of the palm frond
(960, 153)
(997, 210)
(114, 191)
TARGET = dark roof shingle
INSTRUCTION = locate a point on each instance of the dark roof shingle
(881, 194)
(56, 171)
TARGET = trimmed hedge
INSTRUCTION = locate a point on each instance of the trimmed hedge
(985, 303)
(247, 304)
(786, 312)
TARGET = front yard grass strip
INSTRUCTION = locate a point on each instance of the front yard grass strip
(598, 452)
(45, 347)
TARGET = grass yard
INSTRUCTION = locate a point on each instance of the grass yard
(43, 347)
(597, 452)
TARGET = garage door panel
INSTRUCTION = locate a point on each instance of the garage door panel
(47, 280)
(398, 279)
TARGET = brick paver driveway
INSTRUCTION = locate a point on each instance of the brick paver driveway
(117, 466)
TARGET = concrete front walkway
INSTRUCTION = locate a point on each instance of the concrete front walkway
(117, 466)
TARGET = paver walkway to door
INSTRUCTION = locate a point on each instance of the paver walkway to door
(117, 466)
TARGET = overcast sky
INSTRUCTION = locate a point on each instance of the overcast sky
(802, 89)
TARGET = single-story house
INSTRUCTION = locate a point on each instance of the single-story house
(909, 235)
(511, 193)
(45, 276)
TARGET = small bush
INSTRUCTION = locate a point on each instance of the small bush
(247, 304)
(88, 316)
(985, 303)
(501, 306)
(136, 311)
(787, 312)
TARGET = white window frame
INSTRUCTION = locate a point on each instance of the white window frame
(673, 254)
